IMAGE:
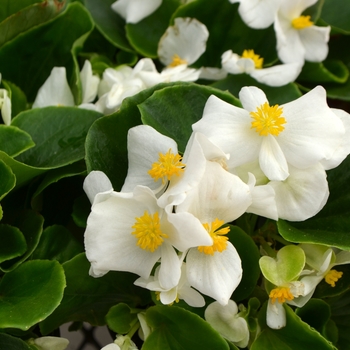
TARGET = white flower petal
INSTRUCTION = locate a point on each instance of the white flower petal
(96, 182)
(133, 11)
(215, 275)
(170, 267)
(191, 297)
(252, 97)
(5, 106)
(187, 39)
(89, 83)
(51, 343)
(275, 315)
(55, 91)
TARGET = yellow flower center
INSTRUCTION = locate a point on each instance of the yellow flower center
(333, 276)
(177, 61)
(258, 61)
(281, 294)
(168, 164)
(302, 22)
(219, 241)
(267, 120)
(147, 231)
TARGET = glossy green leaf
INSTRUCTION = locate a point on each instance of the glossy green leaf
(30, 293)
(58, 131)
(88, 299)
(172, 110)
(287, 266)
(81, 210)
(228, 32)
(57, 243)
(334, 71)
(331, 225)
(121, 318)
(275, 95)
(177, 329)
(249, 254)
(296, 335)
(145, 35)
(18, 98)
(31, 225)
(13, 140)
(27, 18)
(109, 23)
(35, 52)
(7, 179)
(8, 342)
(336, 14)
(9, 7)
(13, 243)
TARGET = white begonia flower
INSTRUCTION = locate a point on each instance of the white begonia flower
(133, 11)
(252, 64)
(111, 346)
(89, 83)
(5, 106)
(130, 232)
(97, 186)
(226, 320)
(298, 39)
(183, 43)
(300, 133)
(50, 343)
(144, 330)
(257, 14)
(182, 291)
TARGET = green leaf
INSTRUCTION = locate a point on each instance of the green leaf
(81, 210)
(275, 95)
(121, 318)
(296, 335)
(287, 266)
(145, 35)
(7, 179)
(13, 243)
(333, 71)
(57, 243)
(177, 329)
(228, 32)
(58, 131)
(14, 141)
(172, 110)
(27, 18)
(31, 225)
(18, 98)
(331, 225)
(9, 7)
(30, 293)
(88, 299)
(336, 14)
(249, 254)
(7, 342)
(34, 53)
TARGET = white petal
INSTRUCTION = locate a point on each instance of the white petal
(234, 64)
(187, 38)
(191, 297)
(312, 131)
(170, 267)
(275, 315)
(279, 75)
(303, 194)
(315, 41)
(55, 91)
(144, 146)
(179, 73)
(89, 83)
(5, 106)
(51, 343)
(133, 11)
(111, 346)
(215, 275)
(252, 97)
(96, 182)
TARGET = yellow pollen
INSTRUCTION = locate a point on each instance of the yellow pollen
(258, 61)
(147, 231)
(302, 22)
(219, 241)
(267, 120)
(281, 294)
(177, 61)
(333, 276)
(168, 164)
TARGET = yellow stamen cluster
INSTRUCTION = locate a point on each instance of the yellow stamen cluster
(147, 231)
(302, 22)
(281, 294)
(219, 241)
(168, 164)
(268, 120)
(333, 276)
(258, 61)
(177, 61)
